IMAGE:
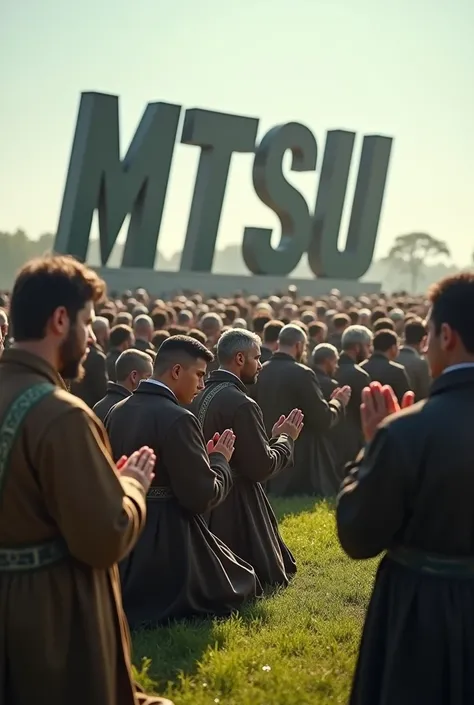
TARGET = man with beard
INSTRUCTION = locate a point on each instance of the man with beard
(411, 493)
(356, 347)
(67, 513)
(245, 521)
(178, 568)
(131, 367)
(285, 383)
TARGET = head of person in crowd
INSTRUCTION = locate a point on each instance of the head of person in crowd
(131, 367)
(353, 314)
(386, 343)
(259, 322)
(124, 319)
(271, 331)
(357, 343)
(159, 337)
(317, 333)
(121, 337)
(365, 317)
(238, 351)
(230, 314)
(384, 323)
(211, 325)
(307, 317)
(416, 334)
(52, 307)
(186, 318)
(197, 335)
(181, 365)
(143, 328)
(289, 311)
(239, 323)
(101, 330)
(340, 322)
(160, 318)
(451, 323)
(109, 314)
(325, 357)
(398, 317)
(376, 313)
(3, 325)
(293, 341)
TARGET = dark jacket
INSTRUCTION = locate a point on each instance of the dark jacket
(381, 369)
(413, 488)
(93, 385)
(144, 346)
(284, 384)
(417, 370)
(115, 393)
(348, 434)
(112, 357)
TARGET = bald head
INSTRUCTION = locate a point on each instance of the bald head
(143, 327)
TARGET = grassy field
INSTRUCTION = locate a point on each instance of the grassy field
(295, 647)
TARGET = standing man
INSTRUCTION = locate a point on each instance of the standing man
(324, 362)
(131, 367)
(411, 358)
(271, 331)
(121, 338)
(285, 383)
(411, 493)
(92, 384)
(178, 568)
(143, 329)
(67, 513)
(381, 366)
(245, 521)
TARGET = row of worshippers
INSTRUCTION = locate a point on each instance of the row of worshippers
(210, 528)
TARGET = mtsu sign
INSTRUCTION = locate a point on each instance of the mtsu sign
(137, 186)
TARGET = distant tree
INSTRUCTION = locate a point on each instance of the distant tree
(16, 249)
(411, 253)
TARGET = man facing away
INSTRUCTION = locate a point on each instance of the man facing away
(411, 358)
(92, 384)
(285, 383)
(121, 338)
(67, 514)
(324, 362)
(178, 569)
(245, 521)
(143, 329)
(411, 493)
(131, 367)
(381, 365)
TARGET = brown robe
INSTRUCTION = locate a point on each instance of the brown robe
(64, 638)
(245, 521)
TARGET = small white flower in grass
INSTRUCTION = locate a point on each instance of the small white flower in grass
(266, 668)
(204, 685)
(216, 700)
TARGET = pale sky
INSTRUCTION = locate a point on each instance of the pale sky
(403, 69)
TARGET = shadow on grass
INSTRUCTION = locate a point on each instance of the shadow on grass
(162, 655)
(292, 506)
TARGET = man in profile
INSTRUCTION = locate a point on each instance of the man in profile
(131, 367)
(411, 493)
(68, 514)
(178, 569)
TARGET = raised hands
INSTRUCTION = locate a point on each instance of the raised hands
(378, 402)
(342, 394)
(291, 425)
(139, 465)
(223, 443)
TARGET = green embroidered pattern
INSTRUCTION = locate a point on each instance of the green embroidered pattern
(28, 557)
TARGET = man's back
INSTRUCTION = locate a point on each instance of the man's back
(381, 369)
(115, 393)
(348, 434)
(417, 370)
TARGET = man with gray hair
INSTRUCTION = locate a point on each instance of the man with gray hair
(245, 520)
(324, 362)
(101, 330)
(356, 347)
(284, 383)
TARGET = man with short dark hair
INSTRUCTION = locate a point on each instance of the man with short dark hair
(271, 331)
(411, 495)
(143, 329)
(245, 521)
(339, 323)
(68, 514)
(131, 367)
(381, 366)
(411, 358)
(178, 569)
(121, 338)
(317, 333)
(383, 324)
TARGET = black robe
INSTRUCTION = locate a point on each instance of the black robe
(282, 385)
(245, 521)
(178, 568)
(412, 493)
(115, 393)
(347, 436)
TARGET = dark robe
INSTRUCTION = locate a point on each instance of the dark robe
(347, 435)
(265, 354)
(417, 370)
(381, 369)
(327, 384)
(115, 393)
(178, 568)
(144, 346)
(412, 493)
(284, 384)
(93, 385)
(245, 521)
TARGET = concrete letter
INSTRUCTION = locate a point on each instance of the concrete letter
(323, 255)
(97, 178)
(218, 135)
(283, 199)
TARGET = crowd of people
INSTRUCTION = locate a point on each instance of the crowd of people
(139, 439)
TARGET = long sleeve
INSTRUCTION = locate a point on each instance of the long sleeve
(371, 504)
(401, 384)
(98, 514)
(255, 456)
(198, 481)
(319, 415)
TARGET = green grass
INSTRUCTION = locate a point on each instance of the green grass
(294, 647)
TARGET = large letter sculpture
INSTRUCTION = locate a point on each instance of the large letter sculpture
(98, 179)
